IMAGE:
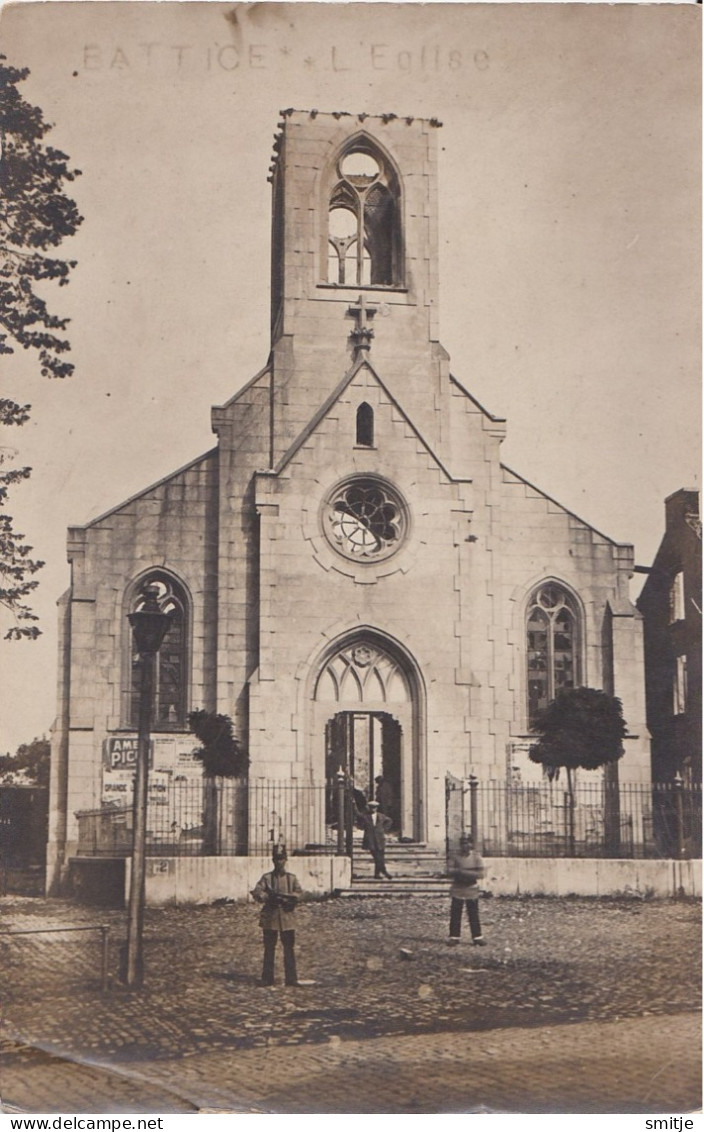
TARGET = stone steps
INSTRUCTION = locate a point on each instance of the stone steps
(398, 871)
(416, 870)
(370, 888)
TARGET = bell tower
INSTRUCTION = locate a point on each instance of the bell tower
(354, 263)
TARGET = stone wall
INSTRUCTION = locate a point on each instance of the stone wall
(172, 526)
(560, 877)
(201, 880)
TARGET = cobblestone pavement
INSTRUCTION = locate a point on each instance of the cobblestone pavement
(625, 971)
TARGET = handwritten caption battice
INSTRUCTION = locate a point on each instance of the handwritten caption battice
(227, 57)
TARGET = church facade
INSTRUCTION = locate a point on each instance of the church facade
(353, 574)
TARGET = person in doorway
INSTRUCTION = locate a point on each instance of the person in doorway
(279, 893)
(376, 827)
(466, 868)
(384, 795)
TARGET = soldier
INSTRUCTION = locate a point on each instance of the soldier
(279, 893)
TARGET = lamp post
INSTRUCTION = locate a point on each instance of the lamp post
(473, 785)
(678, 783)
(149, 626)
(341, 814)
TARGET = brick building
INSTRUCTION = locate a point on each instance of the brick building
(671, 606)
(354, 575)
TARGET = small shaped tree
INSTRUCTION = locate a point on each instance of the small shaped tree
(221, 753)
(222, 756)
(581, 727)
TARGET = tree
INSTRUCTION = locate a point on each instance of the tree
(35, 216)
(16, 566)
(581, 727)
(29, 764)
(222, 756)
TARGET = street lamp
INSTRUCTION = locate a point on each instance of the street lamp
(149, 625)
(473, 786)
(678, 783)
(341, 816)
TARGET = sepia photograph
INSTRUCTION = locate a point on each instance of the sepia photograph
(350, 560)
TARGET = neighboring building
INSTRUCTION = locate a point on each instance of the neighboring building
(672, 613)
(23, 834)
(354, 575)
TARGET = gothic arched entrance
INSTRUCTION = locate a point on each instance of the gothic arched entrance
(367, 712)
(366, 745)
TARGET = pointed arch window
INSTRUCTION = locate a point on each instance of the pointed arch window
(365, 425)
(364, 236)
(553, 634)
(170, 676)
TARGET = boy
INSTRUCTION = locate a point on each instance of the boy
(466, 868)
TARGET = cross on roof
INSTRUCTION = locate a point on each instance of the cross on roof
(362, 334)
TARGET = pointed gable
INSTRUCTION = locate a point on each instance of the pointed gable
(361, 384)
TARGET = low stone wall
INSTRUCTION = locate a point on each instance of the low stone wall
(201, 880)
(534, 876)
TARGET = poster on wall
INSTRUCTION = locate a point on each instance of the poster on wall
(174, 772)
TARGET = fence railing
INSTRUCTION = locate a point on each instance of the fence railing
(597, 819)
(227, 817)
(221, 817)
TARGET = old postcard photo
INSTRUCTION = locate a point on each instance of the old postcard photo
(350, 559)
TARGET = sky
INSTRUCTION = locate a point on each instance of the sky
(569, 243)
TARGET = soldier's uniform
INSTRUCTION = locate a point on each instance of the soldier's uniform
(278, 892)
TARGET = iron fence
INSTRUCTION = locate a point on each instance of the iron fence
(598, 819)
(217, 817)
(225, 817)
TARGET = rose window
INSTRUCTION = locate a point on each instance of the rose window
(365, 520)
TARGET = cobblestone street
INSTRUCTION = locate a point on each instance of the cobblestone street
(601, 987)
